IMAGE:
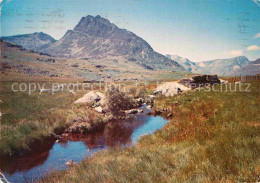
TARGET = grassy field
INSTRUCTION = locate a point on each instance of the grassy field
(212, 136)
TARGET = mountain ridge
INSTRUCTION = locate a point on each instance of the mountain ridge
(34, 41)
(225, 67)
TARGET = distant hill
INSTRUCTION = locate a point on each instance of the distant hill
(251, 68)
(184, 62)
(224, 67)
(97, 38)
(35, 41)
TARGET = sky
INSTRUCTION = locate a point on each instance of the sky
(199, 30)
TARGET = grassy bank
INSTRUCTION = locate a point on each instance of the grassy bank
(213, 136)
(29, 118)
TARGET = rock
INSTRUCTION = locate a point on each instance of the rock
(152, 96)
(199, 80)
(223, 81)
(134, 111)
(140, 110)
(46, 90)
(70, 163)
(149, 107)
(65, 135)
(92, 97)
(131, 111)
(140, 100)
(99, 109)
(169, 115)
(170, 89)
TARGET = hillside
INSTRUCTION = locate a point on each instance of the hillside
(184, 62)
(19, 64)
(35, 41)
(222, 67)
(251, 68)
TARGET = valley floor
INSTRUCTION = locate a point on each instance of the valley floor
(212, 136)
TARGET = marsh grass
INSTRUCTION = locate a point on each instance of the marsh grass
(212, 137)
(27, 118)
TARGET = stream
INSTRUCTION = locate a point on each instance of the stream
(55, 154)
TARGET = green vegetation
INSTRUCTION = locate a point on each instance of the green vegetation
(26, 118)
(213, 136)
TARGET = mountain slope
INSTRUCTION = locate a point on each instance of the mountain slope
(251, 68)
(97, 38)
(223, 67)
(184, 62)
(35, 41)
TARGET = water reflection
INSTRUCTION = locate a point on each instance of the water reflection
(53, 156)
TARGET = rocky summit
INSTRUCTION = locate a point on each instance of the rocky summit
(97, 38)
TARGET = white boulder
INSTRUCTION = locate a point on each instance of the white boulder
(99, 109)
(92, 97)
(170, 89)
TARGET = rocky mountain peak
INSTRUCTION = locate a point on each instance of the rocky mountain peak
(96, 26)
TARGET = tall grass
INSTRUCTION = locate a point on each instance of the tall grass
(212, 137)
(26, 118)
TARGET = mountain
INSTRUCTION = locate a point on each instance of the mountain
(224, 67)
(97, 38)
(184, 62)
(35, 41)
(251, 68)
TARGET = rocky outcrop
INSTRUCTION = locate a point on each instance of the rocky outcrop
(92, 98)
(70, 163)
(199, 81)
(133, 111)
(99, 109)
(170, 89)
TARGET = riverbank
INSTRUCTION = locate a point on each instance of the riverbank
(212, 136)
(27, 119)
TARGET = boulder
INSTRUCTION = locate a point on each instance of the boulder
(140, 100)
(149, 107)
(152, 96)
(170, 89)
(133, 111)
(223, 81)
(92, 97)
(99, 109)
(70, 163)
(199, 80)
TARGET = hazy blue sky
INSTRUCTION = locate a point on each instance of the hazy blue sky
(195, 29)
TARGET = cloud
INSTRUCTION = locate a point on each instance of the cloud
(235, 52)
(257, 35)
(253, 48)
